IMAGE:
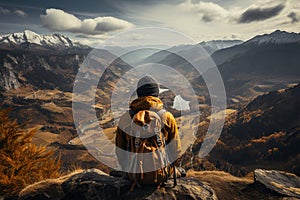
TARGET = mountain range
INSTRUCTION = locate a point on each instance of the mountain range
(271, 56)
(37, 74)
(267, 42)
(277, 37)
(30, 39)
(264, 63)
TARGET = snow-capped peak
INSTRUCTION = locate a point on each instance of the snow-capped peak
(277, 37)
(30, 37)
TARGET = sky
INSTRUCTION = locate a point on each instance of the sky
(93, 21)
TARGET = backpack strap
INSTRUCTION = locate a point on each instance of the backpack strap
(132, 113)
(174, 175)
(158, 140)
(161, 112)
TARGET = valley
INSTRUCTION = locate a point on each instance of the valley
(262, 119)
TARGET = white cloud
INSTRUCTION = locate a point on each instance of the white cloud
(214, 19)
(59, 20)
(208, 11)
(20, 13)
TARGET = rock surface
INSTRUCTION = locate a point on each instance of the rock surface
(281, 182)
(95, 184)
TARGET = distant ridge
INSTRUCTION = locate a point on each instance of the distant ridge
(29, 38)
(215, 45)
(276, 37)
(281, 41)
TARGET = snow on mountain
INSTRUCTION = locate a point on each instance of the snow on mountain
(214, 45)
(29, 37)
(277, 37)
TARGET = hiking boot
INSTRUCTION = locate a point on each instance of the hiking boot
(180, 172)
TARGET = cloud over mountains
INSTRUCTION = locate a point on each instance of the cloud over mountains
(203, 20)
(59, 20)
(260, 14)
(209, 12)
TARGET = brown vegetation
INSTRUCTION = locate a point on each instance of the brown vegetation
(22, 163)
(263, 134)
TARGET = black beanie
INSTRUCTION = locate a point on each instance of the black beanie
(147, 86)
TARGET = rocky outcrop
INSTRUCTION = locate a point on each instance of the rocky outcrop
(281, 182)
(95, 184)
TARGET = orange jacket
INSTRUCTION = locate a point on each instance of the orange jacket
(169, 130)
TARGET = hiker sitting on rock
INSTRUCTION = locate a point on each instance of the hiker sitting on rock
(147, 138)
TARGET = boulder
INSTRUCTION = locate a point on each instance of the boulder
(281, 182)
(94, 184)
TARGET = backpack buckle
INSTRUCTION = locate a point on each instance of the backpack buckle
(137, 142)
(145, 127)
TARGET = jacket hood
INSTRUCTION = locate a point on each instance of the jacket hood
(146, 103)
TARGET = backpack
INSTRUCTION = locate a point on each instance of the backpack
(148, 149)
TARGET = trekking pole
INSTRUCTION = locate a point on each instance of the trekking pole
(174, 175)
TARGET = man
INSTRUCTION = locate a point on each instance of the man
(147, 92)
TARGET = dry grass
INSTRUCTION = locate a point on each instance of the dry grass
(22, 162)
(228, 187)
(223, 183)
(52, 107)
(53, 185)
(47, 95)
(91, 137)
(220, 115)
(43, 138)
